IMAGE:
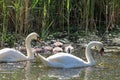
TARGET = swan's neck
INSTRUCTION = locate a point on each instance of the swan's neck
(43, 59)
(89, 57)
(30, 55)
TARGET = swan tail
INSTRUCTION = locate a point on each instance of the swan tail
(43, 59)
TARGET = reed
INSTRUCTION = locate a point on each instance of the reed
(42, 16)
(21, 18)
(26, 16)
(45, 27)
(16, 6)
(112, 8)
(68, 16)
(89, 14)
(4, 25)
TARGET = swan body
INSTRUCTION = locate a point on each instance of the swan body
(62, 60)
(12, 55)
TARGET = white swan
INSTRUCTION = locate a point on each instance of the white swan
(62, 60)
(69, 49)
(12, 55)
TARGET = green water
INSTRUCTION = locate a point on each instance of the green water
(109, 69)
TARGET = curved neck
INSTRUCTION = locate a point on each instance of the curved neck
(88, 55)
(30, 55)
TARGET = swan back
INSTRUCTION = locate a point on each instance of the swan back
(11, 55)
(63, 60)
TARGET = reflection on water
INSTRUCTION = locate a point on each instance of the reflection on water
(11, 70)
(110, 70)
(27, 70)
(64, 73)
(70, 73)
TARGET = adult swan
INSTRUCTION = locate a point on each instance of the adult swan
(12, 55)
(62, 60)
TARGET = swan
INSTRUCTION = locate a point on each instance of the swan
(62, 60)
(58, 44)
(69, 49)
(57, 50)
(12, 55)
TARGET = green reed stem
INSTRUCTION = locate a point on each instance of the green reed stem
(68, 17)
(26, 16)
(87, 15)
(17, 12)
(4, 30)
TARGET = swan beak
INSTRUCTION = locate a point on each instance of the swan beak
(38, 39)
(101, 51)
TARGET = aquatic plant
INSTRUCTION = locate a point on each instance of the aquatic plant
(46, 16)
(4, 25)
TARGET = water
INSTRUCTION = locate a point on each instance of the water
(106, 68)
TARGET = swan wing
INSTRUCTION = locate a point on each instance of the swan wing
(64, 60)
(11, 55)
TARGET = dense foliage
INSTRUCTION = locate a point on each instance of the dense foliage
(46, 16)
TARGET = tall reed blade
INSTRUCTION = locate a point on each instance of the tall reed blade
(26, 16)
(4, 30)
(87, 15)
(68, 17)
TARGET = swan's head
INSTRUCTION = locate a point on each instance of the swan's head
(34, 36)
(98, 46)
(101, 51)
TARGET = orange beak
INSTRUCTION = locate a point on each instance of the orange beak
(101, 51)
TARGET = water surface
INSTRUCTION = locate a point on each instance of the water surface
(106, 68)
